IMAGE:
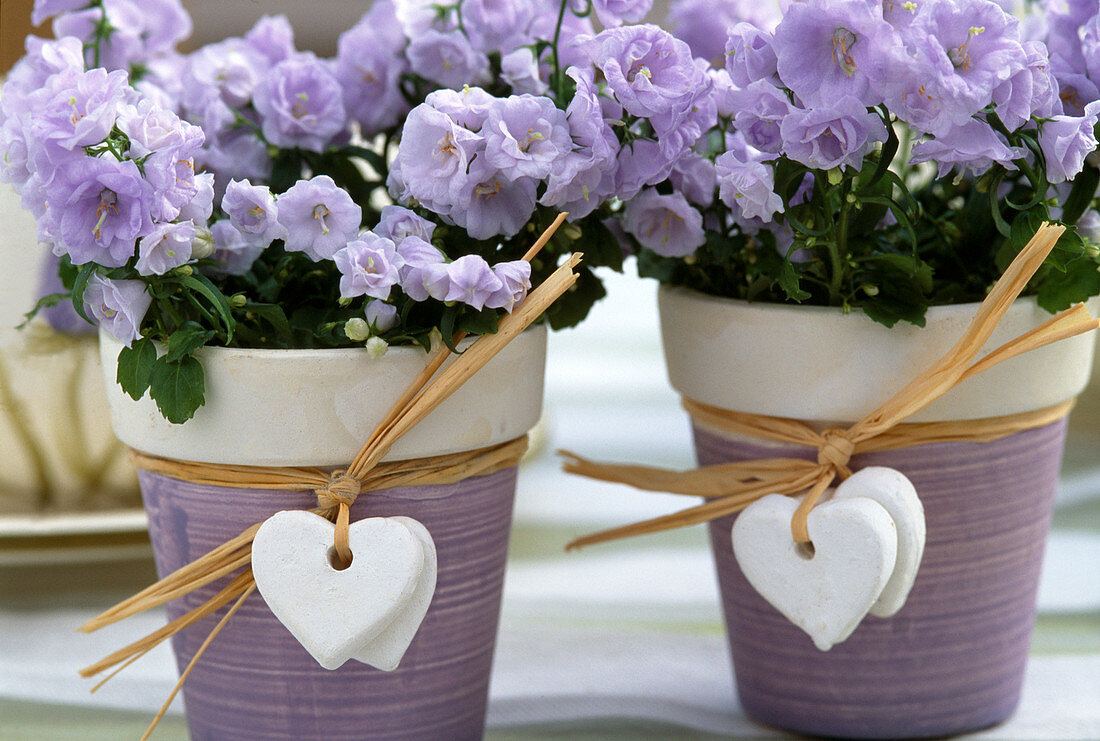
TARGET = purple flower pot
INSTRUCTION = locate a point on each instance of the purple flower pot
(256, 682)
(952, 660)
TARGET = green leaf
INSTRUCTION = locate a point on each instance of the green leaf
(888, 313)
(904, 265)
(185, 340)
(479, 322)
(48, 301)
(285, 171)
(177, 388)
(274, 315)
(573, 307)
(80, 284)
(1081, 195)
(788, 281)
(1059, 291)
(202, 285)
(135, 367)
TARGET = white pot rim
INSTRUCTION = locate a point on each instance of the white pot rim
(317, 407)
(820, 364)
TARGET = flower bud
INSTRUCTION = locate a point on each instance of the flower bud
(238, 300)
(376, 347)
(357, 329)
(202, 246)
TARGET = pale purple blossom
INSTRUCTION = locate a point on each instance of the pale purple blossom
(837, 135)
(468, 107)
(273, 37)
(300, 104)
(613, 13)
(81, 108)
(319, 217)
(1030, 92)
(118, 306)
(368, 266)
(974, 146)
(830, 49)
(447, 59)
(46, 9)
(525, 136)
(666, 224)
(433, 158)
(396, 223)
(233, 253)
(232, 150)
(252, 209)
(417, 257)
(101, 207)
(229, 70)
(201, 205)
(521, 71)
(747, 186)
(637, 165)
(750, 55)
(166, 247)
(469, 279)
(760, 110)
(650, 71)
(515, 279)
(369, 65)
(1065, 140)
(703, 23)
(694, 176)
(491, 205)
(380, 316)
(497, 25)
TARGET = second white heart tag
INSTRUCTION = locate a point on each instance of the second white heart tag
(828, 590)
(370, 610)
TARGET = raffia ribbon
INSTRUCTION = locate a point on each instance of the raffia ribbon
(334, 491)
(733, 486)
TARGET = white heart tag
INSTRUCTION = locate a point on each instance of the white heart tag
(334, 613)
(827, 591)
(891, 489)
(389, 646)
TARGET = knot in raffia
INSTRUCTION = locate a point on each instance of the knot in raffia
(341, 488)
(835, 450)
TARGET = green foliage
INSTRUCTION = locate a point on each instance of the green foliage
(891, 239)
(135, 367)
(177, 387)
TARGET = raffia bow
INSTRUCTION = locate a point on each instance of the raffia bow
(732, 487)
(334, 491)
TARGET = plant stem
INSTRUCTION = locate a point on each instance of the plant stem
(558, 84)
(839, 250)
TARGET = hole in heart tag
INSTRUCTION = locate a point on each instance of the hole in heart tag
(866, 543)
(336, 561)
(371, 609)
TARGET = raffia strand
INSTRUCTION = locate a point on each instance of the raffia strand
(730, 488)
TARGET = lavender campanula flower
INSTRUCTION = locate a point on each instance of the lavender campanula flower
(702, 24)
(666, 224)
(45, 9)
(233, 253)
(447, 59)
(468, 107)
(119, 306)
(417, 257)
(229, 70)
(637, 165)
(1031, 91)
(521, 71)
(1065, 140)
(319, 217)
(368, 266)
(151, 128)
(830, 49)
(300, 104)
(613, 13)
(434, 155)
(760, 110)
(837, 135)
(416, 17)
(81, 108)
(750, 55)
(369, 65)
(253, 211)
(678, 130)
(525, 136)
(101, 207)
(138, 32)
(43, 59)
(201, 205)
(650, 71)
(396, 223)
(694, 176)
(974, 146)
(232, 150)
(469, 279)
(515, 279)
(497, 25)
(166, 247)
(14, 154)
(380, 316)
(272, 37)
(575, 34)
(492, 205)
(747, 186)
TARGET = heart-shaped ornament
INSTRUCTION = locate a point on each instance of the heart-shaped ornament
(827, 590)
(896, 494)
(389, 646)
(335, 613)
